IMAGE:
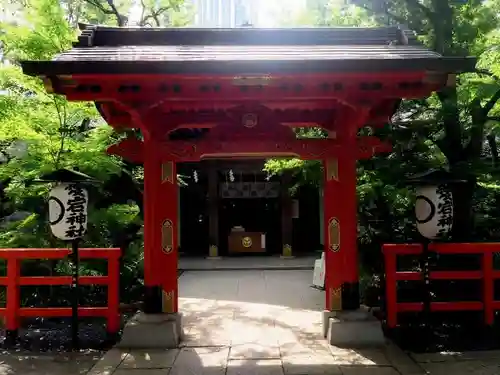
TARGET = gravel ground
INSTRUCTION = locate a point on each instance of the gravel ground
(44, 335)
(459, 332)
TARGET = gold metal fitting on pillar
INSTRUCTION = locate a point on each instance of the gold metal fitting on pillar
(287, 250)
(334, 234)
(167, 236)
(167, 172)
(335, 299)
(168, 302)
(213, 251)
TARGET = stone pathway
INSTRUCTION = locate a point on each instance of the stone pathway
(256, 323)
(19, 363)
(448, 363)
(253, 322)
(248, 263)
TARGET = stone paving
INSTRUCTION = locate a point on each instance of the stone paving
(247, 263)
(253, 322)
(19, 363)
(258, 323)
(449, 363)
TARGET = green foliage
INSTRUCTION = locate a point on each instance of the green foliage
(446, 130)
(59, 134)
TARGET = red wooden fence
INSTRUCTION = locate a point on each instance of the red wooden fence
(487, 275)
(13, 281)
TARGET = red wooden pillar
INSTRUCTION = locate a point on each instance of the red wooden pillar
(160, 231)
(340, 220)
(340, 213)
(113, 323)
(13, 299)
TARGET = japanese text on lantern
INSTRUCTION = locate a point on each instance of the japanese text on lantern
(76, 207)
(445, 210)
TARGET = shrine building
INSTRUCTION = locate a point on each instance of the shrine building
(213, 104)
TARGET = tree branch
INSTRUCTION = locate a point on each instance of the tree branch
(143, 11)
(418, 5)
(451, 119)
(155, 16)
(121, 20)
(486, 72)
(491, 103)
(391, 15)
(414, 123)
(99, 6)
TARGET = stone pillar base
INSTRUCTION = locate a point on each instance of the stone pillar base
(152, 331)
(213, 258)
(287, 257)
(326, 316)
(353, 329)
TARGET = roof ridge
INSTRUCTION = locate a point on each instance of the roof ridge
(97, 35)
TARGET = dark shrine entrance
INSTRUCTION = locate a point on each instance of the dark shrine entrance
(225, 200)
(252, 215)
(244, 92)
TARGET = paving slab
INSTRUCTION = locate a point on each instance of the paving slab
(246, 263)
(201, 361)
(433, 357)
(254, 351)
(460, 368)
(493, 355)
(255, 367)
(364, 357)
(47, 364)
(368, 370)
(149, 359)
(165, 371)
(310, 365)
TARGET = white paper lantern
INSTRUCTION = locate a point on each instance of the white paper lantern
(68, 211)
(434, 211)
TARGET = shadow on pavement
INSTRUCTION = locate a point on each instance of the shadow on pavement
(19, 363)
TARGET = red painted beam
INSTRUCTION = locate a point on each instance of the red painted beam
(83, 312)
(457, 306)
(464, 248)
(84, 253)
(456, 275)
(408, 276)
(62, 280)
(163, 120)
(352, 96)
(132, 149)
(163, 89)
(409, 307)
(402, 249)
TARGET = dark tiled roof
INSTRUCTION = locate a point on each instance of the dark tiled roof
(242, 53)
(185, 50)
(114, 36)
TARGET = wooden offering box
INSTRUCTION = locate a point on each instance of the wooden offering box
(246, 242)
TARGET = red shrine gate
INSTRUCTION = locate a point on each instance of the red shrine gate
(249, 89)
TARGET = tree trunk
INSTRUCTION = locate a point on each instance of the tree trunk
(463, 223)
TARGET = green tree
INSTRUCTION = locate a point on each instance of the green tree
(457, 118)
(451, 128)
